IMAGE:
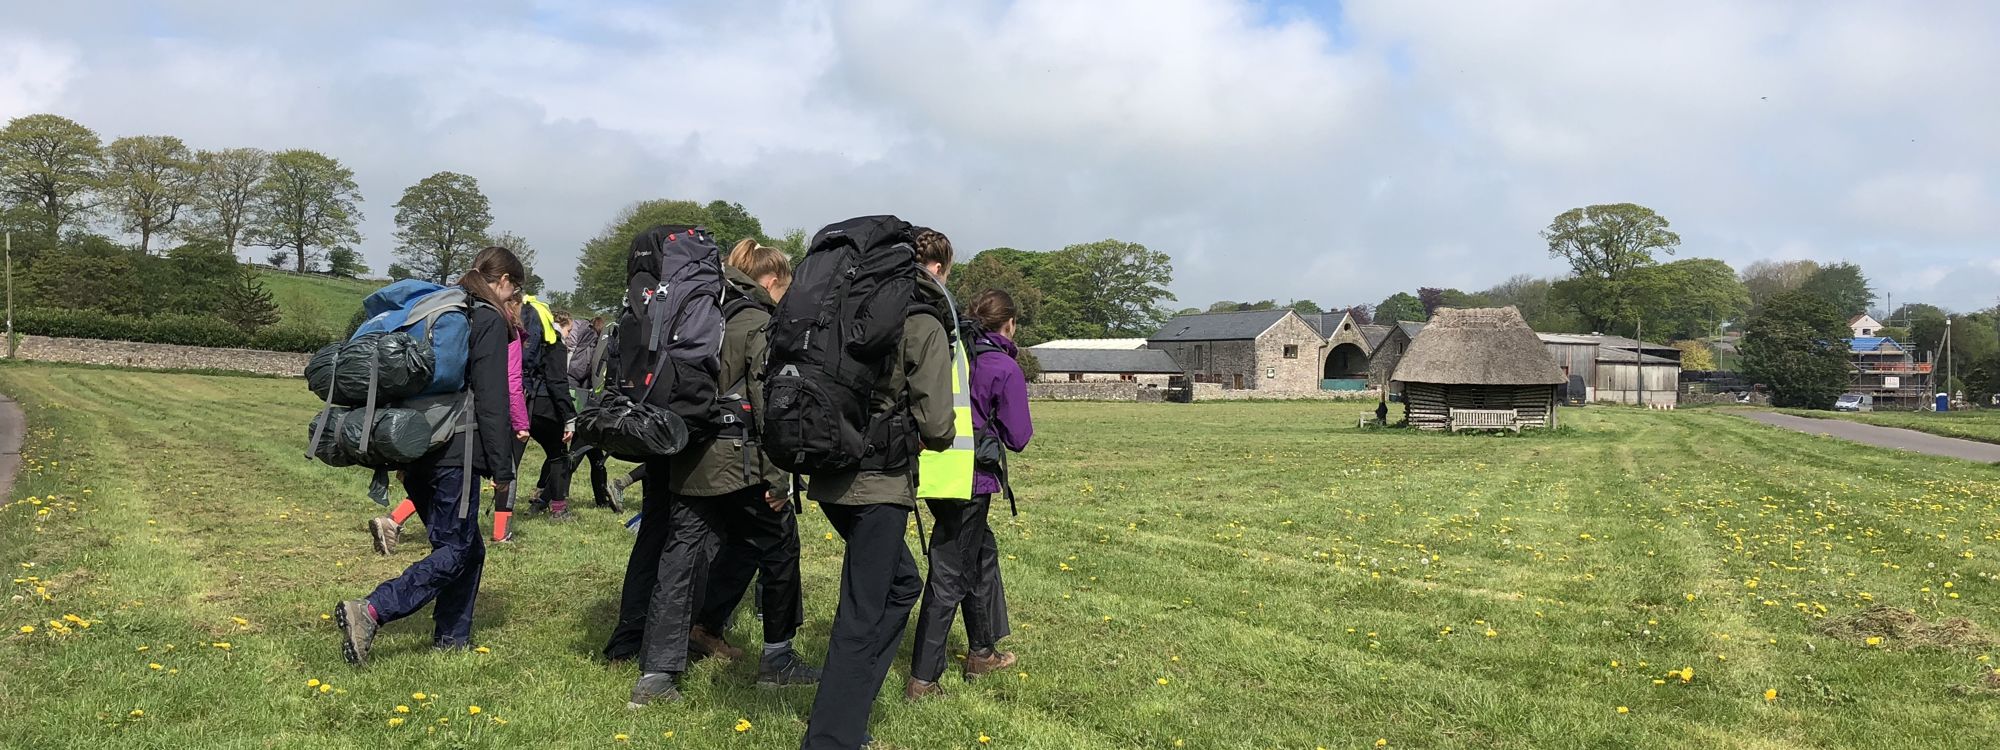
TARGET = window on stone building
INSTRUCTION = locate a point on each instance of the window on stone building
(1076, 377)
(1291, 351)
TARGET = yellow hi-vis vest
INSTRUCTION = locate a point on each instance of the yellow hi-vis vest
(947, 475)
(549, 335)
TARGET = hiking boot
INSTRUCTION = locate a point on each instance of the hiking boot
(785, 668)
(386, 534)
(918, 690)
(536, 505)
(654, 687)
(357, 630)
(702, 642)
(981, 662)
(561, 516)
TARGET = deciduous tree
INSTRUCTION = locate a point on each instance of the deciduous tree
(1400, 307)
(307, 203)
(1797, 346)
(149, 180)
(225, 185)
(1843, 286)
(524, 251)
(50, 166)
(440, 223)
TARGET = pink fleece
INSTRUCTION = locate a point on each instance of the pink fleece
(517, 395)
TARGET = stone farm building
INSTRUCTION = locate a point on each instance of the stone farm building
(1103, 360)
(1480, 367)
(1388, 352)
(1264, 350)
(1349, 348)
(1617, 369)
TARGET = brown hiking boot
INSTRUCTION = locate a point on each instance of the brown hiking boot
(918, 690)
(385, 533)
(978, 663)
(705, 643)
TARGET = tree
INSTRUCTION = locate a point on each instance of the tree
(225, 186)
(1361, 315)
(148, 181)
(1797, 346)
(1118, 286)
(1606, 241)
(1687, 299)
(1228, 306)
(600, 270)
(307, 203)
(990, 270)
(1696, 356)
(1843, 286)
(440, 223)
(345, 261)
(1433, 298)
(87, 272)
(1765, 279)
(1305, 307)
(197, 276)
(729, 223)
(1533, 296)
(524, 251)
(246, 304)
(49, 165)
(1400, 307)
(277, 258)
(794, 244)
(399, 272)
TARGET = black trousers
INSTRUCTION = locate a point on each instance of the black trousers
(554, 480)
(600, 475)
(756, 542)
(965, 574)
(878, 586)
(664, 580)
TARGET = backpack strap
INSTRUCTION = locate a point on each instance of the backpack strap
(326, 412)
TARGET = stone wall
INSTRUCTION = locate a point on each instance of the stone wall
(1158, 381)
(1100, 391)
(159, 356)
(1213, 392)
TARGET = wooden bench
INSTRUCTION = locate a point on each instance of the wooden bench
(1485, 419)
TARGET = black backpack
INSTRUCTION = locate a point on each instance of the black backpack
(660, 390)
(834, 335)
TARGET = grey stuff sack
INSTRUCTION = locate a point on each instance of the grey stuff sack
(394, 364)
(398, 437)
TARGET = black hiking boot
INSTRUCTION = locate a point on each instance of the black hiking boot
(654, 687)
(615, 494)
(385, 533)
(785, 668)
(357, 630)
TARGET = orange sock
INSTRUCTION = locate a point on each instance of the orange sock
(402, 512)
(500, 524)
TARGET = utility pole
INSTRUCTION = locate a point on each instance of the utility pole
(10, 295)
(1948, 390)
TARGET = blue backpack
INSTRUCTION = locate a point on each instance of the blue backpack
(425, 311)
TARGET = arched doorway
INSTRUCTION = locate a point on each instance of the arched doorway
(1346, 369)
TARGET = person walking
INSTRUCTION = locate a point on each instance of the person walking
(443, 495)
(964, 555)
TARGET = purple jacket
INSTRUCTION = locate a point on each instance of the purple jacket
(999, 389)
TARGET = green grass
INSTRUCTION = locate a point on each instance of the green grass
(1296, 582)
(1982, 425)
(326, 301)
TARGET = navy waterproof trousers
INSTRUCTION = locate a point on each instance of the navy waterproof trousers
(450, 573)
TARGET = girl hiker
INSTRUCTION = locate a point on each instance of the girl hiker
(437, 486)
(551, 408)
(965, 557)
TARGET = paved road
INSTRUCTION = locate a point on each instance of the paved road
(13, 429)
(1886, 437)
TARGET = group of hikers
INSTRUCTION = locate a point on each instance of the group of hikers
(863, 387)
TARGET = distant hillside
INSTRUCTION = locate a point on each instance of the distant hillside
(324, 300)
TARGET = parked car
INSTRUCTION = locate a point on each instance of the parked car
(1856, 402)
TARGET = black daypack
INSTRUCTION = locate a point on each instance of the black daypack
(660, 389)
(833, 336)
(989, 453)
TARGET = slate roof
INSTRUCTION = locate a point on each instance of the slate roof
(1112, 361)
(1112, 344)
(1231, 326)
(1327, 323)
(1375, 335)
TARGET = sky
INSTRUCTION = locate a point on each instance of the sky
(1335, 152)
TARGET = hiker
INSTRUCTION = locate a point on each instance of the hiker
(758, 531)
(387, 531)
(584, 379)
(551, 408)
(964, 555)
(442, 492)
(869, 505)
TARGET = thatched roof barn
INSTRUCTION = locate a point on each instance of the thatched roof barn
(1478, 369)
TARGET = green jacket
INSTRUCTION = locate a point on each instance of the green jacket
(716, 467)
(926, 372)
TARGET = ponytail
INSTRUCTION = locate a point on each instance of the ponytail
(487, 268)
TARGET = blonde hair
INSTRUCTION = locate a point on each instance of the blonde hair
(758, 261)
(933, 247)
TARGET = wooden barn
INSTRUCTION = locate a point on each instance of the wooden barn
(1478, 369)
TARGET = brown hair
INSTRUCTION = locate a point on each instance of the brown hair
(992, 308)
(933, 247)
(758, 261)
(562, 318)
(510, 311)
(487, 268)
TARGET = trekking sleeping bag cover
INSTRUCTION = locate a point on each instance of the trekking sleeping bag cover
(396, 389)
(660, 389)
(835, 334)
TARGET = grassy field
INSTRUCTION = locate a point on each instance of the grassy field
(327, 301)
(1982, 425)
(1243, 576)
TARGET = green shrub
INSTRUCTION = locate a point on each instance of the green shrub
(186, 330)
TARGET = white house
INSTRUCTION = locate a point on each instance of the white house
(1864, 326)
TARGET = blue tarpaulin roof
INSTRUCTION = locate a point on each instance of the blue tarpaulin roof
(1872, 344)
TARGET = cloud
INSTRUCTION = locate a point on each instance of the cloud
(1274, 151)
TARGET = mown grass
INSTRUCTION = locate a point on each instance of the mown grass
(1256, 575)
(1981, 424)
(327, 302)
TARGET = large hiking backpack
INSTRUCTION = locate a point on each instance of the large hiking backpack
(834, 335)
(660, 387)
(395, 390)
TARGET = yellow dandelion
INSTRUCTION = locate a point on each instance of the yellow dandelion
(395, 721)
(1382, 742)
(829, 536)
(1160, 681)
(471, 710)
(26, 629)
(1491, 633)
(324, 688)
(669, 734)
(419, 696)
(138, 713)
(482, 650)
(1874, 640)
(155, 666)
(983, 739)
(312, 683)
(742, 725)
(402, 709)
(1770, 695)
(1624, 710)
